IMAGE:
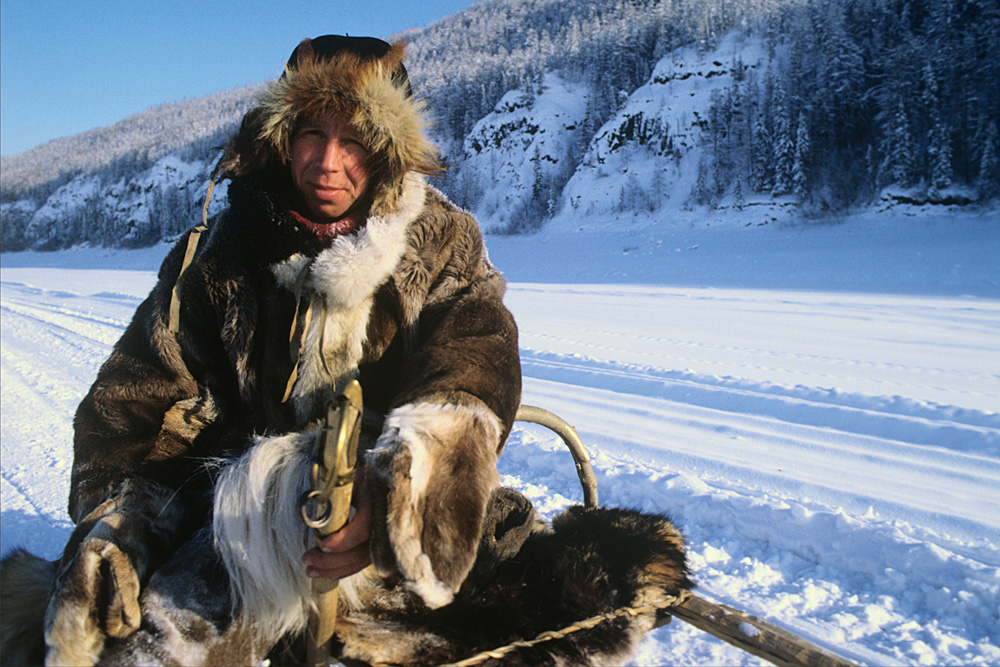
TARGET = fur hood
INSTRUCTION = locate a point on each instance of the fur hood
(368, 86)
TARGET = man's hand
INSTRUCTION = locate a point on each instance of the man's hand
(346, 551)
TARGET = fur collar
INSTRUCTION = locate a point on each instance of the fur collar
(337, 289)
(356, 264)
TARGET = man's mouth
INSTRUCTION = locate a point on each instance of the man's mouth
(326, 192)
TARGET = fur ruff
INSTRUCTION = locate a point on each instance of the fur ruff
(364, 90)
(433, 523)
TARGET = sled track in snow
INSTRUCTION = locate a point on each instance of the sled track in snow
(66, 317)
(794, 460)
(764, 535)
(759, 354)
(850, 499)
(922, 423)
(802, 502)
(40, 395)
(786, 557)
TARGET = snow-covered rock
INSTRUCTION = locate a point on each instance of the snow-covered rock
(522, 152)
(648, 154)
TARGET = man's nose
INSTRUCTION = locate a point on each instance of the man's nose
(332, 157)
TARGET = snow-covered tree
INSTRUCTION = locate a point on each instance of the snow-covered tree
(898, 148)
(800, 165)
(783, 145)
(761, 169)
(989, 163)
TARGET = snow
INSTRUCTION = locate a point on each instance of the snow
(813, 402)
(677, 97)
(523, 140)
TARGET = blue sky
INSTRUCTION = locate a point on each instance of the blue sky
(68, 66)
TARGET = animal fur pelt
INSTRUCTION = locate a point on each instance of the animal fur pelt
(25, 582)
(530, 577)
(432, 523)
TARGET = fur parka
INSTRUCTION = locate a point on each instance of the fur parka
(408, 304)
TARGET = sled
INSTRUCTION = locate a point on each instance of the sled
(744, 631)
(333, 467)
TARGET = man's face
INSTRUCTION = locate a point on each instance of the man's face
(329, 166)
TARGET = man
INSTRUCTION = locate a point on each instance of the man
(333, 240)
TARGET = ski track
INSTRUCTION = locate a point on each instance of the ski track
(844, 490)
(864, 519)
(39, 398)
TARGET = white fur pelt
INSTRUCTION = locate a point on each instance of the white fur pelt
(261, 537)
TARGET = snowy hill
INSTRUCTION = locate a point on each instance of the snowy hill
(548, 111)
(522, 162)
(647, 156)
(520, 154)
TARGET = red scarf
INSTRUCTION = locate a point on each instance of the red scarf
(326, 232)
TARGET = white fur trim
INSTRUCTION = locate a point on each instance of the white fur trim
(260, 535)
(355, 265)
(421, 580)
(423, 428)
(343, 279)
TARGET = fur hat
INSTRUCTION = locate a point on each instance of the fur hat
(361, 79)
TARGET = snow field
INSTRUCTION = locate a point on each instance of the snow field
(863, 517)
(832, 455)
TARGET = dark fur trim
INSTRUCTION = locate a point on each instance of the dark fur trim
(25, 582)
(527, 579)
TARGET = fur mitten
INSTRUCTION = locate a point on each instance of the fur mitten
(107, 559)
(431, 475)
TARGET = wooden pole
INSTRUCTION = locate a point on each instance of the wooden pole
(752, 634)
(330, 501)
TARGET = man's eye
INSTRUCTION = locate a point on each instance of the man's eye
(308, 132)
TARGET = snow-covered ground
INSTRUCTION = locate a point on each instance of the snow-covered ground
(815, 406)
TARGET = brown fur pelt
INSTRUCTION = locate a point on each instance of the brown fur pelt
(528, 578)
(25, 582)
